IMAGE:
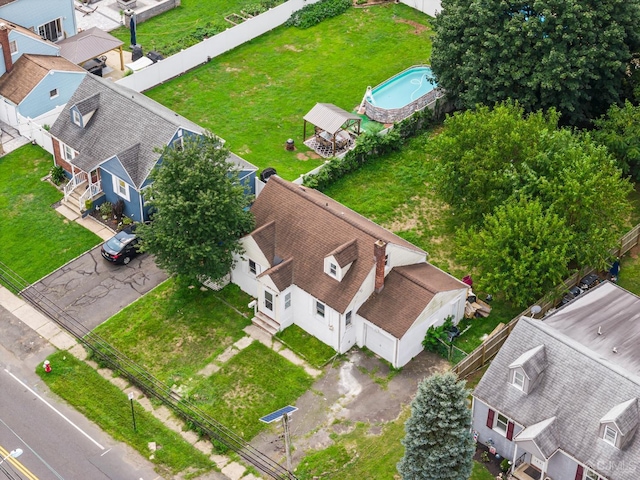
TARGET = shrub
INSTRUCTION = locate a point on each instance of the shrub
(314, 13)
(57, 175)
(505, 465)
(436, 338)
(118, 209)
(106, 209)
(88, 204)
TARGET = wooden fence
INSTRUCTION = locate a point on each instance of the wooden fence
(490, 347)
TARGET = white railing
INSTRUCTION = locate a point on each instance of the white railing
(76, 180)
(93, 190)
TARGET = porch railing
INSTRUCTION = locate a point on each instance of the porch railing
(93, 190)
(71, 185)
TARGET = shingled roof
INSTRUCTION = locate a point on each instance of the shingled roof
(28, 71)
(125, 122)
(580, 386)
(407, 292)
(307, 227)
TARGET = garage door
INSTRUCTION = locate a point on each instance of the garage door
(378, 342)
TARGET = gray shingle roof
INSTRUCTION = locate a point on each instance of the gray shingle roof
(533, 362)
(89, 104)
(543, 434)
(624, 415)
(579, 386)
(123, 119)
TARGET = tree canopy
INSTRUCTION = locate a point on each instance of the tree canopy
(200, 210)
(489, 158)
(619, 131)
(438, 443)
(572, 55)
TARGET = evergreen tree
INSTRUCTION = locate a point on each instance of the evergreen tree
(572, 55)
(200, 211)
(438, 443)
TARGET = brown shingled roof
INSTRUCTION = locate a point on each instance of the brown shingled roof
(265, 237)
(407, 292)
(281, 274)
(28, 71)
(346, 253)
(308, 227)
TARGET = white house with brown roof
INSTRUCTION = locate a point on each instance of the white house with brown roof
(315, 263)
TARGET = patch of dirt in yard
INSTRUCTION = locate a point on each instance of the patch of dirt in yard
(292, 48)
(307, 155)
(232, 69)
(243, 150)
(419, 28)
(633, 253)
(408, 217)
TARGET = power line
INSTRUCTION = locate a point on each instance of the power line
(142, 379)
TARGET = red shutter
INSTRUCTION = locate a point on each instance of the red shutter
(579, 472)
(510, 431)
(490, 416)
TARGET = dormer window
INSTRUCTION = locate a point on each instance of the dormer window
(333, 269)
(77, 118)
(610, 435)
(518, 379)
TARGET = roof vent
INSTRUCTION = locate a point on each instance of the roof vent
(599, 330)
(615, 350)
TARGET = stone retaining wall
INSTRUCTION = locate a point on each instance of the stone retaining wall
(393, 115)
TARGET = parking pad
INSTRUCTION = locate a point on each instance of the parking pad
(91, 289)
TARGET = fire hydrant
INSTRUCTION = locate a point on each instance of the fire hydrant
(47, 366)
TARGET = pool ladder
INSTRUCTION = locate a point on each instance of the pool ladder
(367, 94)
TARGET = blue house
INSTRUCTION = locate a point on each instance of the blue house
(52, 20)
(106, 139)
(16, 40)
(36, 85)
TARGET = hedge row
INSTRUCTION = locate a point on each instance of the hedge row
(370, 145)
(314, 13)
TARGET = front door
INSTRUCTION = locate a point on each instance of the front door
(267, 304)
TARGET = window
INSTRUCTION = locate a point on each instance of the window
(13, 47)
(518, 379)
(287, 300)
(121, 188)
(178, 144)
(610, 435)
(386, 260)
(76, 118)
(320, 309)
(347, 319)
(51, 31)
(268, 300)
(591, 475)
(68, 153)
(501, 424)
(252, 267)
(53, 93)
(333, 269)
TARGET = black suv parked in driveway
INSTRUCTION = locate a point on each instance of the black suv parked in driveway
(122, 247)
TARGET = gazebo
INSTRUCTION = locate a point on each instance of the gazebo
(332, 127)
(88, 45)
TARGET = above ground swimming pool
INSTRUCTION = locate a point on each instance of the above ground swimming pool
(401, 95)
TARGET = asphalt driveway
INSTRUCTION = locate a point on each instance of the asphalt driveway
(91, 289)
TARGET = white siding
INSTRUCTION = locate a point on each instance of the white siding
(240, 275)
(379, 342)
(400, 256)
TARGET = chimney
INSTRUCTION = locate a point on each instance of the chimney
(379, 253)
(6, 49)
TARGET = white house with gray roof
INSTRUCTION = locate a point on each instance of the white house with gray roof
(107, 140)
(560, 400)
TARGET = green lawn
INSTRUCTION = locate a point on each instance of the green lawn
(183, 26)
(255, 96)
(77, 383)
(306, 346)
(34, 238)
(174, 331)
(253, 383)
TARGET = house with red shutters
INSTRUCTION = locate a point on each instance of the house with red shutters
(560, 400)
(315, 263)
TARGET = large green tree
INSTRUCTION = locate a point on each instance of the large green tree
(521, 250)
(200, 210)
(438, 443)
(571, 54)
(619, 131)
(488, 157)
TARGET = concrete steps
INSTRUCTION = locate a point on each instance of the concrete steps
(266, 323)
(73, 202)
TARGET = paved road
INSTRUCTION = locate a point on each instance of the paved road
(58, 442)
(91, 289)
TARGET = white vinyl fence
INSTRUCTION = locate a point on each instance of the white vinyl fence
(35, 132)
(430, 7)
(211, 47)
